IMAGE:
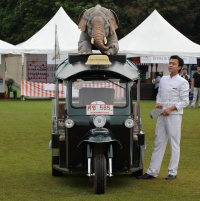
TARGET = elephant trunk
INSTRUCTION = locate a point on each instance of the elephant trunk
(99, 35)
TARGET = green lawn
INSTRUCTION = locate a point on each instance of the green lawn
(25, 161)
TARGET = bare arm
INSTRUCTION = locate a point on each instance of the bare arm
(155, 82)
(192, 83)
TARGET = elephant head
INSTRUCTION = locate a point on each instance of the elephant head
(100, 24)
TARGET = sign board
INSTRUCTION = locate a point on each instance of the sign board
(37, 71)
(51, 87)
(99, 109)
(165, 60)
(98, 60)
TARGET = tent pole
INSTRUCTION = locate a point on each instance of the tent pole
(57, 85)
(22, 66)
(138, 104)
(22, 97)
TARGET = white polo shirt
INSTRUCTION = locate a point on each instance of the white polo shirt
(173, 92)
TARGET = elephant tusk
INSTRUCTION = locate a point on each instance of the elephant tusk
(105, 40)
(92, 40)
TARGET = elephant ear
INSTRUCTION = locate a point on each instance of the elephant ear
(82, 21)
(114, 22)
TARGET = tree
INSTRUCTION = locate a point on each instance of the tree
(22, 19)
(182, 14)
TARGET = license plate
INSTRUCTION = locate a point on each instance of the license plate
(99, 109)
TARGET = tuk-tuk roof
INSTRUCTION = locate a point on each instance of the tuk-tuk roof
(75, 64)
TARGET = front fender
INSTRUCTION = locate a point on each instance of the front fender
(99, 135)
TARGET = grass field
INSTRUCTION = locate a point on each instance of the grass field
(25, 161)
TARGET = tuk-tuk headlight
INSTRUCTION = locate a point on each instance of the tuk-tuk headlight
(69, 123)
(129, 123)
(99, 121)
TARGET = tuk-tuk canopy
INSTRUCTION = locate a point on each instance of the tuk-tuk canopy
(124, 68)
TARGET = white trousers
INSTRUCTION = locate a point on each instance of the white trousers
(167, 127)
(196, 92)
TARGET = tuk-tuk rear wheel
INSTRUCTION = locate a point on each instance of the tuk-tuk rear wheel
(100, 178)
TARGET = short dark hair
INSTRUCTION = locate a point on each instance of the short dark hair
(157, 73)
(180, 61)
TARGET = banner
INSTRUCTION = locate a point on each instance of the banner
(165, 60)
(38, 89)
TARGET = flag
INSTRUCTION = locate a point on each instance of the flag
(57, 48)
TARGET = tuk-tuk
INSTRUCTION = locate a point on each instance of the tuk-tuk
(97, 130)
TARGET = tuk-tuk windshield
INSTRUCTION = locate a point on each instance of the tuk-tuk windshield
(109, 92)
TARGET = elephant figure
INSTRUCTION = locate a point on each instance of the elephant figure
(98, 25)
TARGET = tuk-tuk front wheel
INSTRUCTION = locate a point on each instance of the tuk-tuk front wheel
(100, 178)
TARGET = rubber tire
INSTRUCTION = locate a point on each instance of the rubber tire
(100, 178)
(56, 173)
(137, 173)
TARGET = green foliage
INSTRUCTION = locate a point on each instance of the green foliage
(22, 19)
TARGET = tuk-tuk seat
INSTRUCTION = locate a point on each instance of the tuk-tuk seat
(89, 95)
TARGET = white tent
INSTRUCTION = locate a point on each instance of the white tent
(156, 37)
(43, 42)
(7, 48)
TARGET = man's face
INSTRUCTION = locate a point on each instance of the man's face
(198, 69)
(173, 66)
(184, 71)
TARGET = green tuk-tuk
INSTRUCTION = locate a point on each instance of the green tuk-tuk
(97, 130)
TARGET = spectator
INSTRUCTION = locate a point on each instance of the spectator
(184, 75)
(196, 86)
(156, 84)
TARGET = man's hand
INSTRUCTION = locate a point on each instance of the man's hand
(158, 106)
(168, 110)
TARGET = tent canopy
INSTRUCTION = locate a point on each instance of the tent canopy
(7, 48)
(43, 42)
(156, 37)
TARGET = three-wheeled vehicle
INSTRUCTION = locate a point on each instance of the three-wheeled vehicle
(97, 130)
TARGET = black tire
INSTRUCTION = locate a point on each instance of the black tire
(100, 178)
(56, 173)
(137, 173)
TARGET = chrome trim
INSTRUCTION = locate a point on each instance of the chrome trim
(110, 168)
(89, 168)
(50, 145)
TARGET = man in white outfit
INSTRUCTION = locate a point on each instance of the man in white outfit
(173, 96)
